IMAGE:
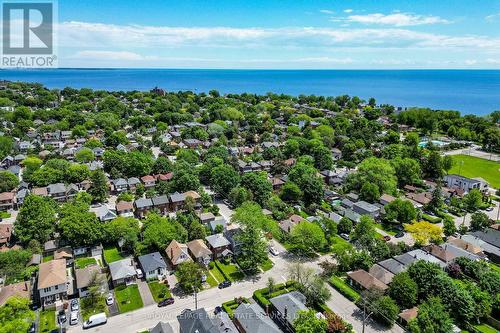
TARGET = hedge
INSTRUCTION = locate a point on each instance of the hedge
(431, 219)
(344, 288)
(262, 296)
(230, 306)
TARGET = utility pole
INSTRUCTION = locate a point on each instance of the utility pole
(365, 316)
(195, 298)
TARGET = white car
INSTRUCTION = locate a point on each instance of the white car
(139, 273)
(110, 300)
(73, 318)
(273, 251)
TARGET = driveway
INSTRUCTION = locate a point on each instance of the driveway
(147, 297)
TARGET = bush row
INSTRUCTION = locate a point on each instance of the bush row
(343, 288)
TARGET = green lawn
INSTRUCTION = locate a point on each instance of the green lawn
(267, 265)
(159, 290)
(232, 271)
(128, 298)
(112, 254)
(339, 244)
(84, 262)
(485, 328)
(4, 215)
(477, 167)
(211, 280)
(342, 287)
(214, 277)
(48, 258)
(88, 309)
(387, 228)
(47, 321)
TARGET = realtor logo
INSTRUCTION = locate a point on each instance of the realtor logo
(28, 34)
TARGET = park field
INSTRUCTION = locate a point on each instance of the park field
(477, 167)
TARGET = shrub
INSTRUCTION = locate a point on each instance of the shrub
(431, 219)
(343, 288)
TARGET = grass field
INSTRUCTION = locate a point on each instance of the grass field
(485, 328)
(84, 262)
(128, 298)
(267, 265)
(47, 321)
(112, 254)
(159, 290)
(477, 167)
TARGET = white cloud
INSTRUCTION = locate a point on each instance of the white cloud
(326, 11)
(492, 17)
(110, 55)
(396, 19)
(348, 10)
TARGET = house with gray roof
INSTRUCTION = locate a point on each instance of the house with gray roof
(132, 183)
(119, 185)
(406, 259)
(153, 266)
(419, 254)
(393, 266)
(162, 203)
(352, 215)
(251, 318)
(104, 213)
(200, 321)
(365, 208)
(142, 206)
(122, 272)
(162, 327)
(219, 220)
(217, 243)
(177, 201)
(286, 308)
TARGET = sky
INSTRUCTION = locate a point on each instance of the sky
(279, 34)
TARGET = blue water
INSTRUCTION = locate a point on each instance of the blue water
(468, 91)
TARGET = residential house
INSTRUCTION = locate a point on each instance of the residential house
(199, 321)
(195, 196)
(162, 327)
(219, 245)
(119, 185)
(20, 289)
(277, 183)
(153, 266)
(352, 215)
(365, 208)
(232, 236)
(219, 220)
(105, 214)
(286, 308)
(251, 318)
(465, 183)
(386, 199)
(122, 272)
(5, 233)
(60, 192)
(177, 253)
(419, 254)
(199, 251)
(7, 200)
(392, 266)
(287, 224)
(85, 276)
(148, 181)
(52, 282)
(161, 203)
(132, 183)
(176, 201)
(206, 217)
(381, 274)
(65, 253)
(408, 314)
(125, 208)
(361, 280)
(143, 206)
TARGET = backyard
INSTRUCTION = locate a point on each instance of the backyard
(84, 262)
(160, 291)
(47, 321)
(469, 166)
(128, 298)
(112, 254)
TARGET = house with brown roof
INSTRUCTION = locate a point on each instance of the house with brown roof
(194, 195)
(177, 253)
(85, 276)
(361, 279)
(277, 183)
(125, 208)
(5, 233)
(406, 315)
(148, 181)
(64, 253)
(20, 289)
(52, 282)
(7, 200)
(382, 274)
(41, 191)
(199, 251)
(287, 224)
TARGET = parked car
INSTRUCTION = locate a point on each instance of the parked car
(74, 305)
(387, 238)
(399, 234)
(32, 328)
(273, 251)
(489, 209)
(139, 273)
(165, 302)
(109, 299)
(61, 317)
(217, 310)
(224, 284)
(73, 318)
(345, 236)
(97, 319)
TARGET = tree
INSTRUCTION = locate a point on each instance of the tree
(480, 221)
(400, 210)
(449, 227)
(307, 322)
(84, 155)
(250, 213)
(424, 232)
(36, 219)
(159, 231)
(223, 179)
(312, 186)
(162, 165)
(99, 186)
(403, 290)
(307, 237)
(258, 184)
(433, 165)
(407, 170)
(189, 275)
(364, 232)
(437, 198)
(473, 200)
(125, 229)
(290, 192)
(447, 163)
(8, 181)
(239, 195)
(432, 318)
(253, 248)
(335, 323)
(16, 315)
(377, 171)
(369, 192)
(80, 228)
(345, 226)
(385, 310)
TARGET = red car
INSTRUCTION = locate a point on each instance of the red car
(387, 238)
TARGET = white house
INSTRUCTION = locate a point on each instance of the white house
(52, 282)
(153, 266)
(466, 184)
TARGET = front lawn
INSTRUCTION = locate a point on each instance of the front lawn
(128, 298)
(470, 166)
(160, 291)
(84, 262)
(485, 328)
(230, 270)
(88, 309)
(232, 305)
(342, 287)
(211, 280)
(112, 254)
(4, 215)
(267, 265)
(47, 321)
(340, 245)
(389, 229)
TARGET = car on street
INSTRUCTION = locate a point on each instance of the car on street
(73, 318)
(217, 310)
(165, 302)
(95, 320)
(399, 234)
(74, 305)
(273, 251)
(224, 284)
(109, 299)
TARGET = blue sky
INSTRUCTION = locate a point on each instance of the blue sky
(279, 34)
